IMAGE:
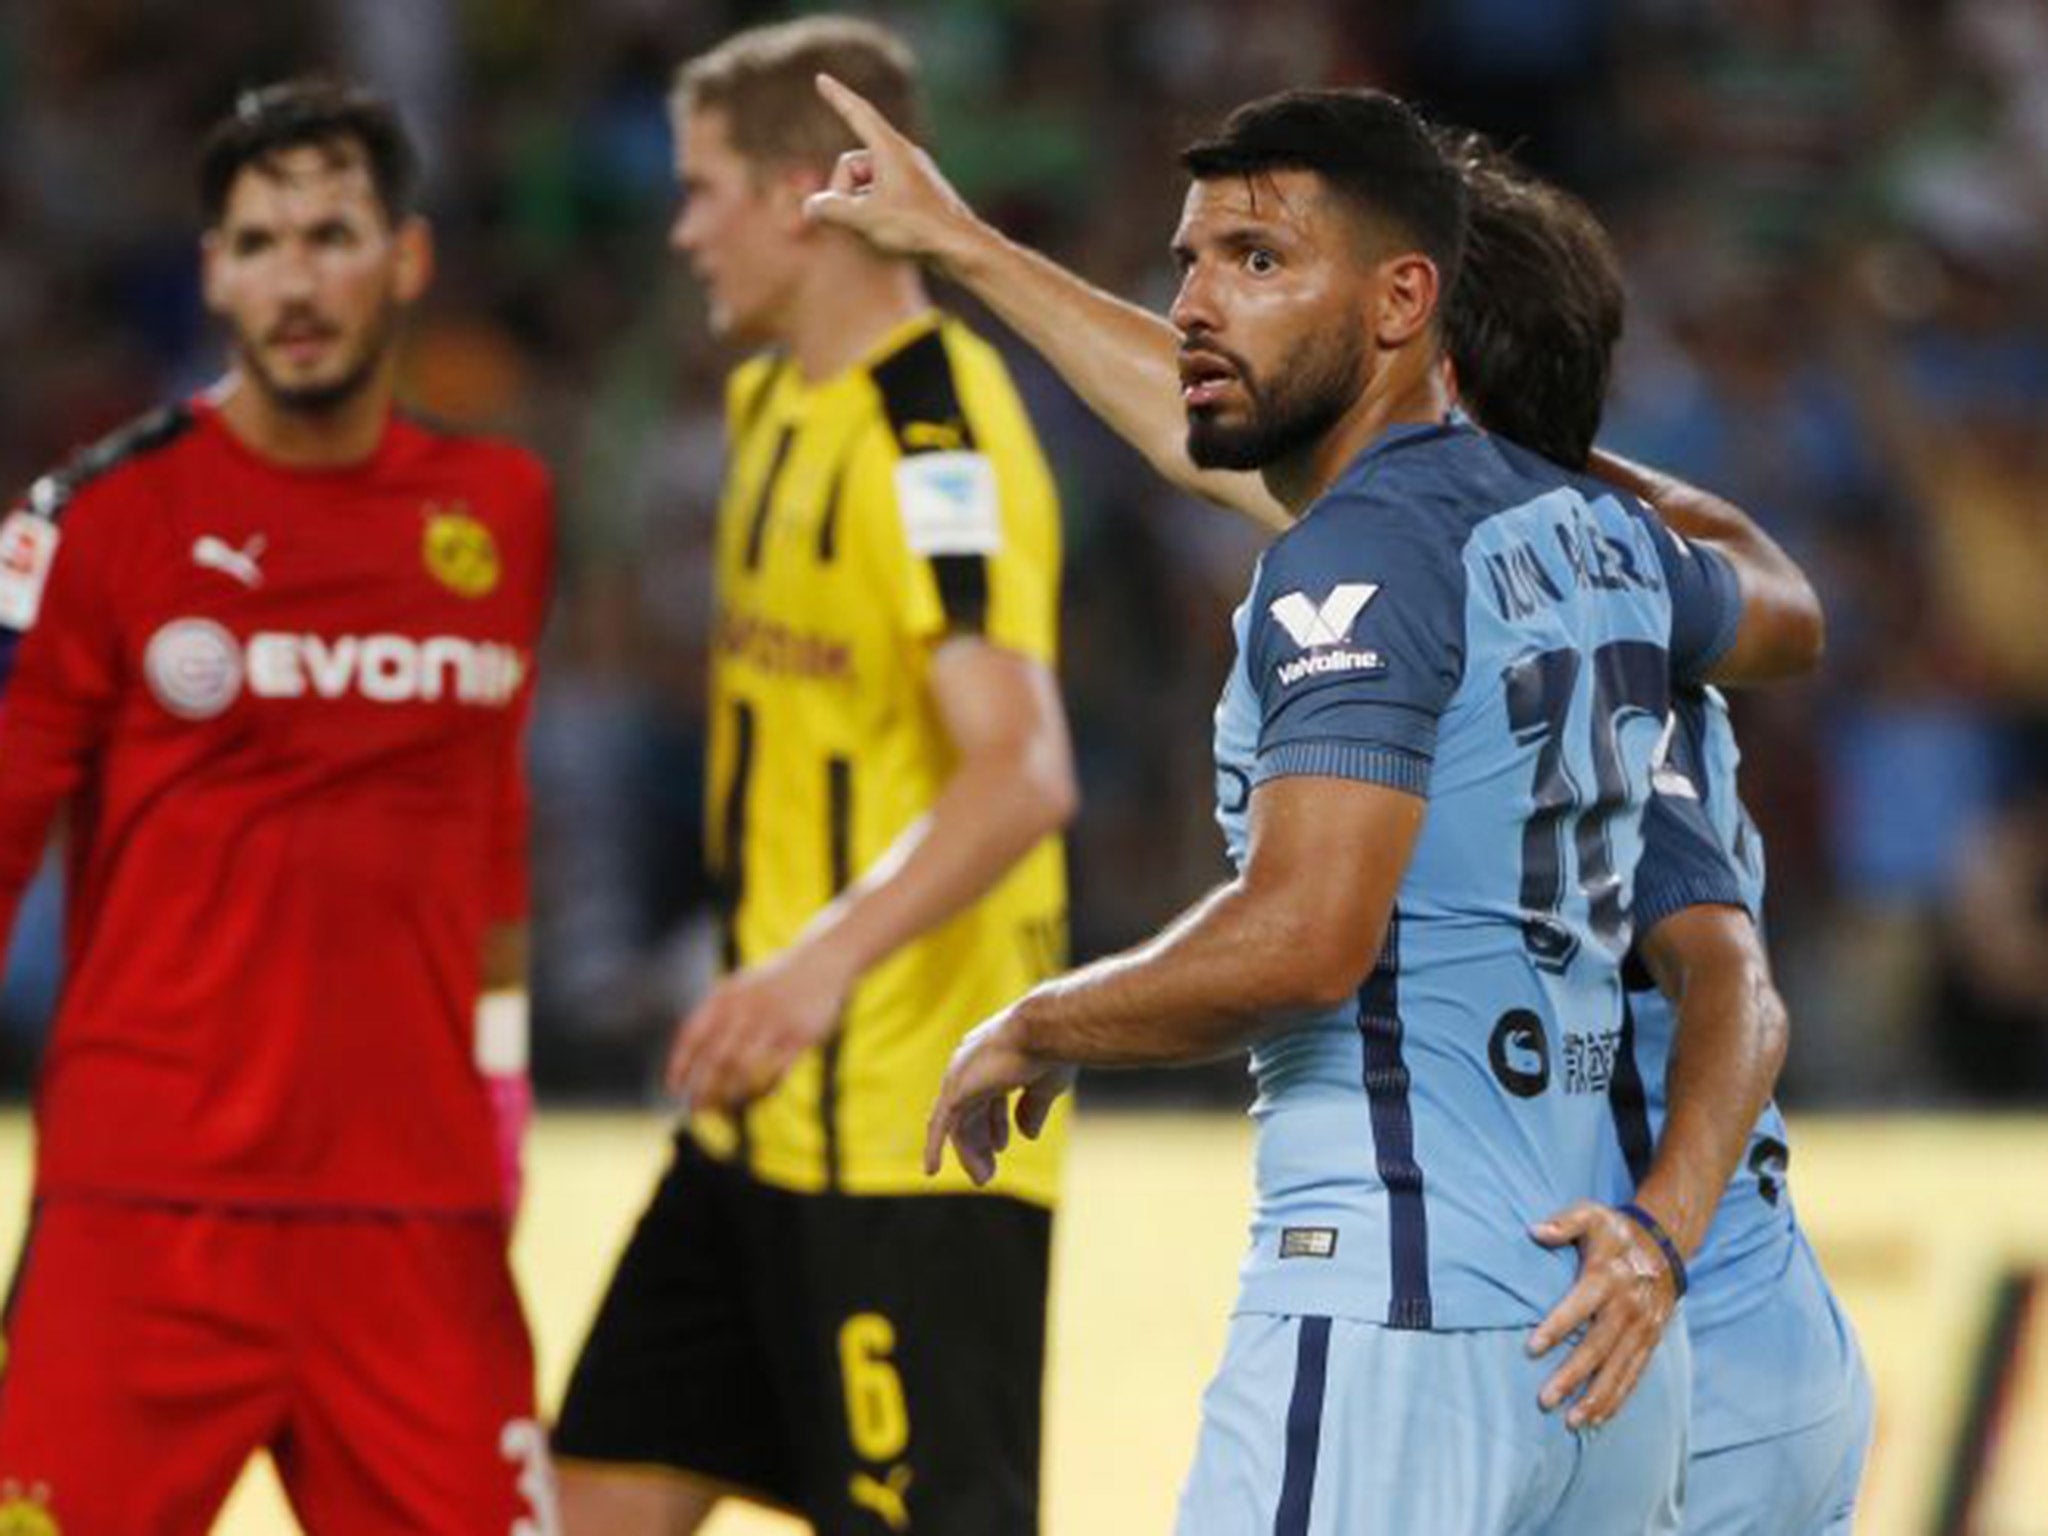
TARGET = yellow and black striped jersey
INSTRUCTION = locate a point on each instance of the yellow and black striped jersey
(865, 518)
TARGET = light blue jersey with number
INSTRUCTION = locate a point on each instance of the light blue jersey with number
(1465, 622)
(1772, 1351)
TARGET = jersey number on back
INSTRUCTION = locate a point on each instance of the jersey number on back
(1631, 679)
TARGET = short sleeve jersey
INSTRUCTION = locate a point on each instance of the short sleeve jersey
(867, 519)
(282, 713)
(1464, 622)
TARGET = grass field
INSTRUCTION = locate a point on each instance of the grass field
(1918, 1222)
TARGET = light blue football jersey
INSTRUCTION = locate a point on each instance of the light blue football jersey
(1772, 1350)
(1466, 622)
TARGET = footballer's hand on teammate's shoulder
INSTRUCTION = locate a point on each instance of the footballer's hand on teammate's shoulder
(1615, 1313)
(973, 1107)
(742, 1039)
(889, 191)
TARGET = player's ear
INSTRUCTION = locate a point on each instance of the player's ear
(790, 190)
(1405, 300)
(413, 268)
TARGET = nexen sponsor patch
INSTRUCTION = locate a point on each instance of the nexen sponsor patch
(195, 672)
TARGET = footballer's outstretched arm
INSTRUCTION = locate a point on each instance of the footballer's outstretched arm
(1783, 627)
(1121, 359)
(1013, 784)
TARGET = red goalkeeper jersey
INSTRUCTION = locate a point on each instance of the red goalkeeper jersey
(284, 711)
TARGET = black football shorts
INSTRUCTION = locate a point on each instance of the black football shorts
(874, 1363)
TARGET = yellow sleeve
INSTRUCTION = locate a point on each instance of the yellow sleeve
(959, 514)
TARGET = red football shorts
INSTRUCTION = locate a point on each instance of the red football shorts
(382, 1361)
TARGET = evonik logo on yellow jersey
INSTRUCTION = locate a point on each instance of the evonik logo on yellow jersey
(196, 668)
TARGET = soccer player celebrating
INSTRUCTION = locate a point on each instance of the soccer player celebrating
(271, 650)
(1454, 627)
(1782, 1410)
(801, 1317)
(1531, 328)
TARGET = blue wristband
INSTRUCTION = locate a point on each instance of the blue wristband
(1662, 1239)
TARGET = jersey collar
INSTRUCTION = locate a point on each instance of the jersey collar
(892, 341)
(1401, 435)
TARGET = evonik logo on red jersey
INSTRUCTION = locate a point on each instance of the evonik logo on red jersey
(197, 669)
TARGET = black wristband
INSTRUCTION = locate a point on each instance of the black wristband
(1662, 1239)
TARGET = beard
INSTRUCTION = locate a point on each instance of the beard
(321, 396)
(1308, 393)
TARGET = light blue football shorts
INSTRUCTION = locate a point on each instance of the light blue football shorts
(1798, 1484)
(1317, 1426)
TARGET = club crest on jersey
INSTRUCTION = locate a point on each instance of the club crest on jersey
(459, 551)
(26, 1512)
(1322, 630)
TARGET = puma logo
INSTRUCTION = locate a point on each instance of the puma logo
(888, 1501)
(215, 554)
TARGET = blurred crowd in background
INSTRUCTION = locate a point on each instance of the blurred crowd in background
(1834, 218)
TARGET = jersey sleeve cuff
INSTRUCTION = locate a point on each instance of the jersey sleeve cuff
(1656, 902)
(1729, 590)
(1388, 767)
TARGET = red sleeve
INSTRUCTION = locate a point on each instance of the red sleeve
(510, 876)
(58, 699)
(511, 879)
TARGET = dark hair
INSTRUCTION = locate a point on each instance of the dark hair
(1373, 150)
(310, 110)
(1537, 309)
(765, 82)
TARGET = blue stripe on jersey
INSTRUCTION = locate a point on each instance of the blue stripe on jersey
(1630, 1102)
(1393, 1137)
(1304, 1428)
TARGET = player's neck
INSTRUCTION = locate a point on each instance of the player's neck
(1404, 390)
(332, 439)
(845, 307)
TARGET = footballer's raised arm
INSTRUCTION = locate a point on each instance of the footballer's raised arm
(1121, 359)
(1783, 629)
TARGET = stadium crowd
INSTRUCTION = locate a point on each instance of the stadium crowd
(1832, 213)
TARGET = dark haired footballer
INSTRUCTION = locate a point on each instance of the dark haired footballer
(1782, 1413)
(271, 656)
(1116, 356)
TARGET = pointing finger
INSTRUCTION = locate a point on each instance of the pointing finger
(859, 114)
